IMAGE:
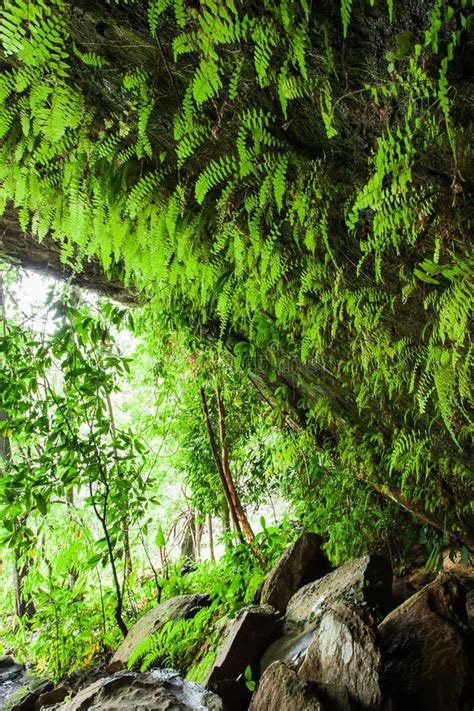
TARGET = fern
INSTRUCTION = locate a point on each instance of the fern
(140, 191)
(216, 172)
(265, 41)
(224, 192)
(233, 88)
(346, 10)
(207, 81)
(90, 59)
(279, 183)
(176, 644)
(155, 9)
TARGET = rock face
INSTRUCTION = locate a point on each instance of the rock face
(427, 650)
(176, 608)
(301, 563)
(158, 690)
(281, 688)
(366, 581)
(247, 638)
(344, 660)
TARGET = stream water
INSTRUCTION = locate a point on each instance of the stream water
(17, 686)
(12, 679)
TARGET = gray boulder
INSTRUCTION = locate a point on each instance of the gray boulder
(366, 581)
(247, 637)
(176, 608)
(281, 688)
(158, 690)
(301, 563)
(344, 660)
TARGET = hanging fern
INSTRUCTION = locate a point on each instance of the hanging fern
(240, 171)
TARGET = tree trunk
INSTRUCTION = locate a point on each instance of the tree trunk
(127, 550)
(187, 550)
(20, 570)
(211, 538)
(23, 608)
(73, 573)
(218, 461)
(235, 506)
(198, 528)
(240, 514)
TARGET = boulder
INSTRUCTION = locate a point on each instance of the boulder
(158, 690)
(427, 648)
(281, 688)
(12, 678)
(246, 639)
(19, 690)
(176, 608)
(466, 578)
(406, 586)
(301, 563)
(367, 581)
(344, 660)
(26, 698)
(9, 668)
(48, 698)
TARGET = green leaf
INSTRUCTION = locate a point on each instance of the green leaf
(41, 504)
(160, 539)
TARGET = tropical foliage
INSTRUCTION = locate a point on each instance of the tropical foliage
(214, 172)
(110, 471)
(288, 186)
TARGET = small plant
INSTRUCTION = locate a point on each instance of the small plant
(178, 643)
(249, 681)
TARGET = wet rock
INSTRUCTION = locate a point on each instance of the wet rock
(344, 660)
(427, 648)
(466, 578)
(25, 699)
(301, 563)
(11, 678)
(19, 689)
(281, 688)
(9, 670)
(158, 690)
(291, 649)
(367, 581)
(247, 638)
(49, 698)
(176, 608)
